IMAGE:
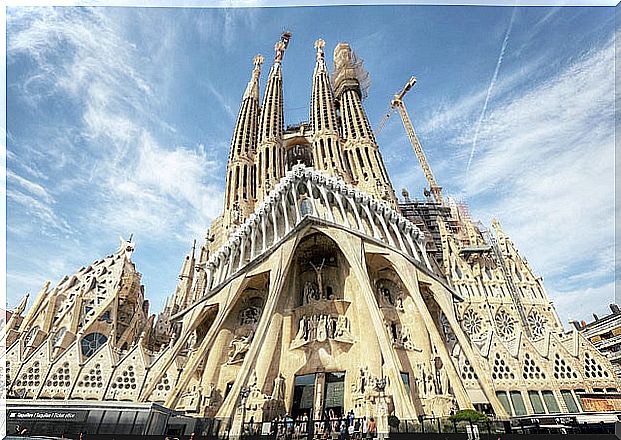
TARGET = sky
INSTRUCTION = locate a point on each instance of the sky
(119, 121)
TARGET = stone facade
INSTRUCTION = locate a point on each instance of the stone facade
(315, 291)
(605, 333)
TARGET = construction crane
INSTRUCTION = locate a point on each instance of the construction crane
(397, 104)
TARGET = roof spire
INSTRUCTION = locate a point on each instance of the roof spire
(252, 89)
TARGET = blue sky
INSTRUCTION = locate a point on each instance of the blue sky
(119, 122)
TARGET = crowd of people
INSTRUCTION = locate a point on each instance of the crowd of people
(332, 426)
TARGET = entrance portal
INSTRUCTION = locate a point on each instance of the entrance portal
(303, 392)
(334, 392)
(319, 396)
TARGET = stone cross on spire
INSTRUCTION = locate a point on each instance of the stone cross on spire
(280, 51)
(280, 46)
(257, 61)
(319, 45)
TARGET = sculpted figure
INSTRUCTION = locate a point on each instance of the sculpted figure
(424, 377)
(310, 292)
(331, 327)
(238, 348)
(444, 381)
(341, 327)
(249, 315)
(322, 331)
(279, 388)
(191, 341)
(361, 381)
(301, 334)
(400, 301)
(312, 334)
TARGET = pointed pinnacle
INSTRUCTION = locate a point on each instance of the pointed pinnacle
(319, 45)
(257, 61)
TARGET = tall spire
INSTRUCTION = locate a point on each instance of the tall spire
(240, 189)
(327, 153)
(182, 296)
(362, 155)
(270, 160)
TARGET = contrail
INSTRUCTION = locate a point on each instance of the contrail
(489, 89)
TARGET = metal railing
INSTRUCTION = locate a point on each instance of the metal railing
(290, 429)
(357, 428)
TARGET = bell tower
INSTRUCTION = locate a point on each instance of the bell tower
(327, 151)
(270, 158)
(240, 189)
(360, 147)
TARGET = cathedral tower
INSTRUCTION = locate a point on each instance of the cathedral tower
(270, 161)
(362, 155)
(240, 188)
(327, 152)
(312, 297)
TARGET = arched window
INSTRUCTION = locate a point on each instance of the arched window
(58, 337)
(30, 337)
(305, 207)
(91, 343)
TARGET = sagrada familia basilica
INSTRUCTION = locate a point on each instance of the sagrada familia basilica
(316, 290)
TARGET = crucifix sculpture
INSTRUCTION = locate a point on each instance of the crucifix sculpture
(318, 271)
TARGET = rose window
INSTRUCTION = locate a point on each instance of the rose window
(504, 324)
(91, 343)
(472, 322)
(537, 323)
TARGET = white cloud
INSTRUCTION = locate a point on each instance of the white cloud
(598, 298)
(40, 210)
(136, 183)
(108, 165)
(31, 187)
(545, 167)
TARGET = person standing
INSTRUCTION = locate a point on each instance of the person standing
(372, 428)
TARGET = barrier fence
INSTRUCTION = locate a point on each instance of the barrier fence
(358, 428)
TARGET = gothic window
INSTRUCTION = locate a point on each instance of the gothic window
(7, 378)
(592, 369)
(458, 271)
(447, 331)
(91, 343)
(30, 337)
(472, 322)
(105, 316)
(562, 370)
(305, 207)
(58, 336)
(393, 332)
(531, 370)
(537, 323)
(501, 370)
(505, 325)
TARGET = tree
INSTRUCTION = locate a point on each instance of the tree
(393, 421)
(469, 415)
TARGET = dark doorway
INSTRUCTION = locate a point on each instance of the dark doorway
(334, 391)
(303, 392)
